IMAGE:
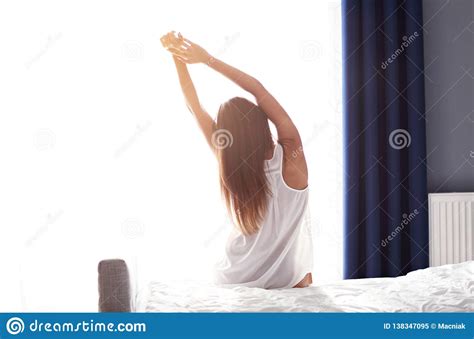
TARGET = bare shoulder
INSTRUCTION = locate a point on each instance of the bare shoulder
(295, 169)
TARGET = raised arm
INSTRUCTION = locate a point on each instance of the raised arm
(295, 169)
(205, 122)
(287, 132)
(190, 52)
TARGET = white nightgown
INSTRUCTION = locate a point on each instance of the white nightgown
(280, 254)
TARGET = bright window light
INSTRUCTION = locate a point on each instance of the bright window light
(101, 159)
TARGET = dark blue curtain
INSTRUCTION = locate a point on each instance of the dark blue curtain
(385, 209)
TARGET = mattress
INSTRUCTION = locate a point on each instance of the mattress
(448, 288)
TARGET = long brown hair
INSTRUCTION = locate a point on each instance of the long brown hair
(243, 139)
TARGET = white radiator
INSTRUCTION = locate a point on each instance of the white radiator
(451, 227)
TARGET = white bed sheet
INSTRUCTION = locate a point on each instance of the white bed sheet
(448, 288)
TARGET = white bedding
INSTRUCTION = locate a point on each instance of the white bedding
(448, 288)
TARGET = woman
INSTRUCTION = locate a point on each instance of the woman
(265, 185)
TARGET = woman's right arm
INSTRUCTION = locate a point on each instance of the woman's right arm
(295, 169)
(190, 52)
(287, 131)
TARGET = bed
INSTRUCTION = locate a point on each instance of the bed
(448, 288)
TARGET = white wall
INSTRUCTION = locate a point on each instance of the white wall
(100, 158)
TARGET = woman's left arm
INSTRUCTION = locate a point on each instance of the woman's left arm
(205, 122)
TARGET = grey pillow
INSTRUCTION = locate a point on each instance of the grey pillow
(114, 286)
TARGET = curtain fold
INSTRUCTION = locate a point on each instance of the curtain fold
(385, 194)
